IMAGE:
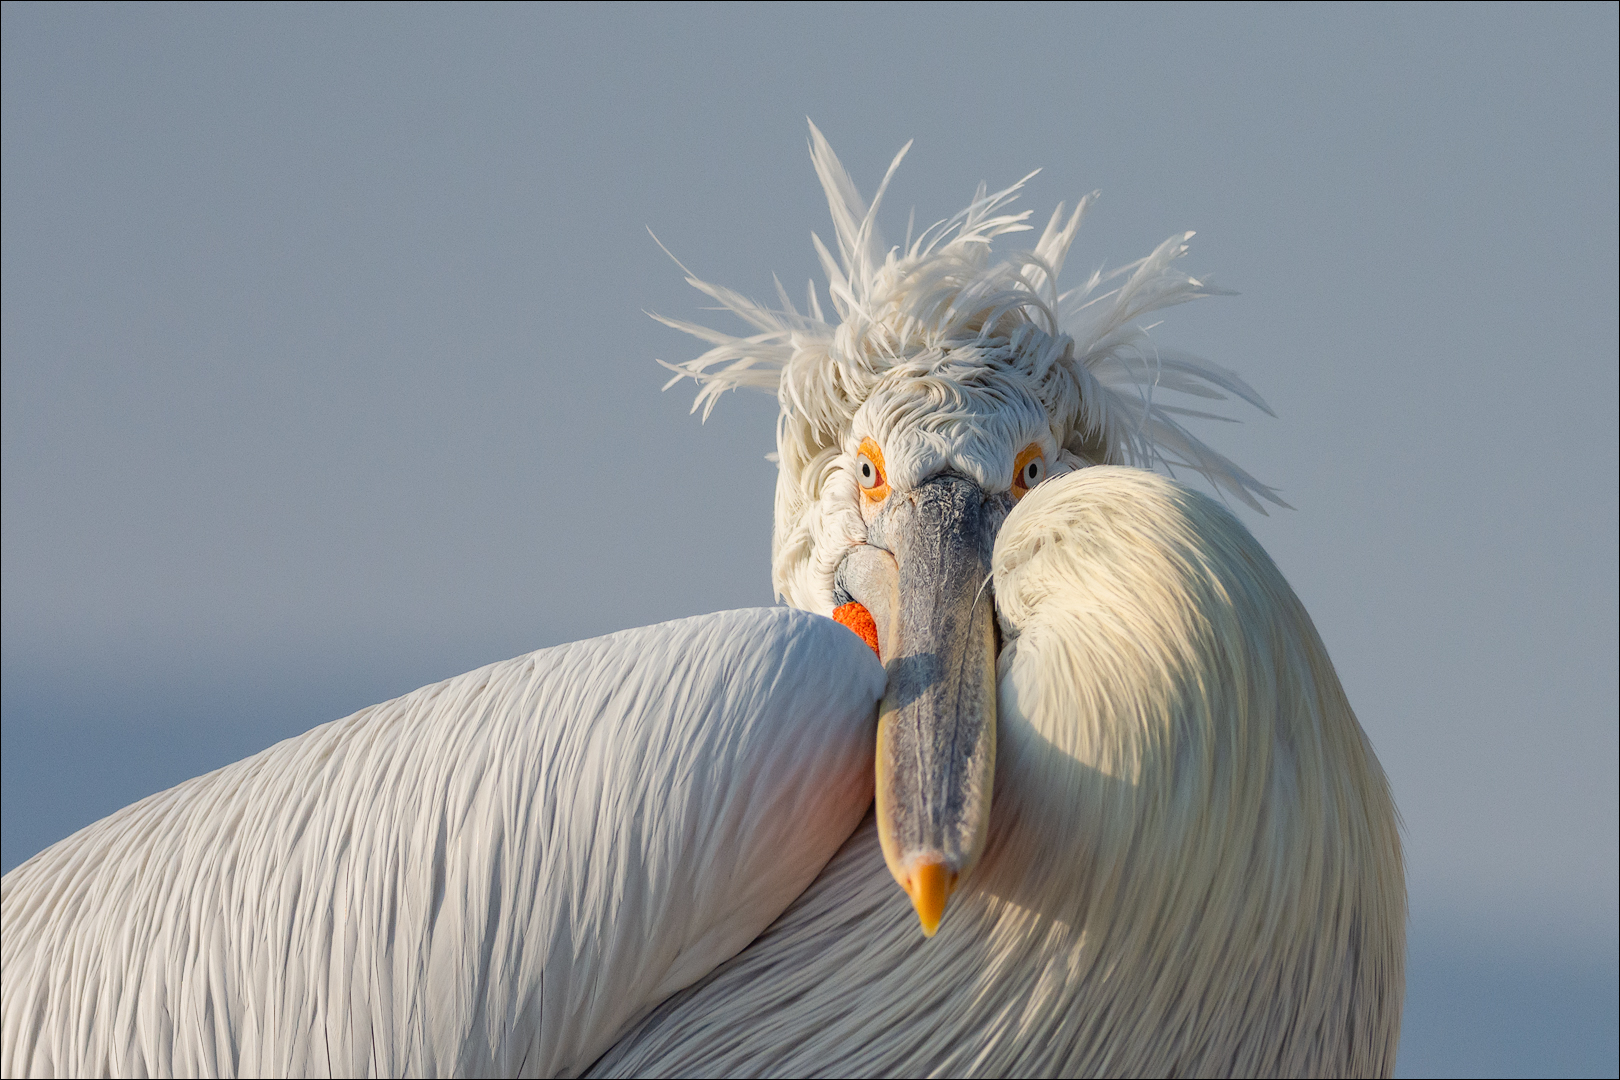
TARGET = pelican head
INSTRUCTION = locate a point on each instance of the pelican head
(943, 388)
(933, 463)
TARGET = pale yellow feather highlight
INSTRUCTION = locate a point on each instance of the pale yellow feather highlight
(1193, 867)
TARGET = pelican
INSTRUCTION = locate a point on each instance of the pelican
(1080, 795)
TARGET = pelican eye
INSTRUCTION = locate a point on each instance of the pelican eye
(1029, 470)
(869, 472)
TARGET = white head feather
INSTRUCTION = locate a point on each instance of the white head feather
(936, 340)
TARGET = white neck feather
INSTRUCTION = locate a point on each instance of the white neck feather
(1193, 869)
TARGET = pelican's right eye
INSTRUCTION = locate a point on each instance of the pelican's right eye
(869, 472)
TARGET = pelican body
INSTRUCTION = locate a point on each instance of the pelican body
(1193, 867)
(1082, 794)
(491, 876)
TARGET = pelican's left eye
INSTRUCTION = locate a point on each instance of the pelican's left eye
(1030, 470)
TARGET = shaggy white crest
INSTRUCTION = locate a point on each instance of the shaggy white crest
(942, 305)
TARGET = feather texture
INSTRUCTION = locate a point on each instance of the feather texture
(493, 875)
(942, 299)
(1193, 867)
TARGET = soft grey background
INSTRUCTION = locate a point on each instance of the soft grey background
(326, 375)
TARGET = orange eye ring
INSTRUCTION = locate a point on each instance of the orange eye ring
(1029, 470)
(870, 473)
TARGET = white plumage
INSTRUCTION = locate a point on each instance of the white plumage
(554, 864)
(1193, 868)
(489, 876)
(922, 326)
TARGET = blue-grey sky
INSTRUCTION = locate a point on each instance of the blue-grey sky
(326, 374)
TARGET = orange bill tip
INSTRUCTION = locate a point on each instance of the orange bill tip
(857, 618)
(929, 885)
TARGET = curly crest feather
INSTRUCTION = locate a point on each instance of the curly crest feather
(942, 300)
